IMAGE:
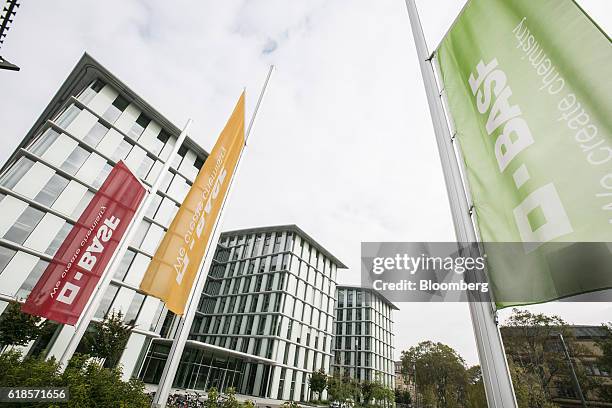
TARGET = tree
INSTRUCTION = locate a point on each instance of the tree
(532, 341)
(476, 397)
(318, 382)
(440, 373)
(212, 401)
(368, 391)
(527, 388)
(403, 396)
(90, 385)
(107, 339)
(336, 389)
(17, 328)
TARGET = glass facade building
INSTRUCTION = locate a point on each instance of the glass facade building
(264, 320)
(92, 122)
(363, 336)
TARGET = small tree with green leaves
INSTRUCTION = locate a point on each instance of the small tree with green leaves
(318, 382)
(230, 399)
(403, 396)
(368, 391)
(213, 398)
(107, 340)
(336, 389)
(18, 328)
(90, 385)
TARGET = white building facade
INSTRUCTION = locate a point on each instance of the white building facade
(363, 336)
(92, 122)
(264, 321)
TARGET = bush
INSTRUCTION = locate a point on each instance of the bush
(89, 384)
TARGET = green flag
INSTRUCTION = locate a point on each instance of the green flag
(529, 91)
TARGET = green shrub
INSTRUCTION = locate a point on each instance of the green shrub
(89, 384)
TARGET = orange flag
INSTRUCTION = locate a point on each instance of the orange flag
(174, 267)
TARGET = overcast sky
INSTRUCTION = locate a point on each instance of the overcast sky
(343, 145)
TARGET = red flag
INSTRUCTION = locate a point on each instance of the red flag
(66, 285)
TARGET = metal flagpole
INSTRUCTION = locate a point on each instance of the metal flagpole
(98, 295)
(496, 376)
(178, 345)
(572, 370)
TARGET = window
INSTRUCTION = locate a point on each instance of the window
(282, 380)
(40, 145)
(144, 167)
(33, 277)
(179, 157)
(96, 134)
(16, 172)
(24, 225)
(154, 206)
(140, 233)
(289, 241)
(114, 111)
(51, 190)
(67, 116)
(139, 126)
(6, 254)
(102, 176)
(125, 264)
(106, 302)
(160, 141)
(266, 244)
(122, 150)
(132, 312)
(59, 238)
(88, 93)
(199, 162)
(82, 204)
(254, 301)
(262, 324)
(76, 159)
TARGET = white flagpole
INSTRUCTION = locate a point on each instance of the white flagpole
(98, 295)
(495, 373)
(178, 344)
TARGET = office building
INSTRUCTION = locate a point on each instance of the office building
(93, 121)
(363, 336)
(264, 321)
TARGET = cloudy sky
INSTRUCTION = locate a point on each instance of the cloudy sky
(343, 145)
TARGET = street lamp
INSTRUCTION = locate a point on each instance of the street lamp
(6, 18)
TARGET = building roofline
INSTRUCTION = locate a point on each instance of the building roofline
(85, 70)
(292, 228)
(377, 293)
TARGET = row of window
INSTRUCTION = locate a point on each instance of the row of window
(246, 278)
(130, 315)
(364, 313)
(156, 146)
(366, 343)
(358, 298)
(243, 246)
(364, 359)
(360, 328)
